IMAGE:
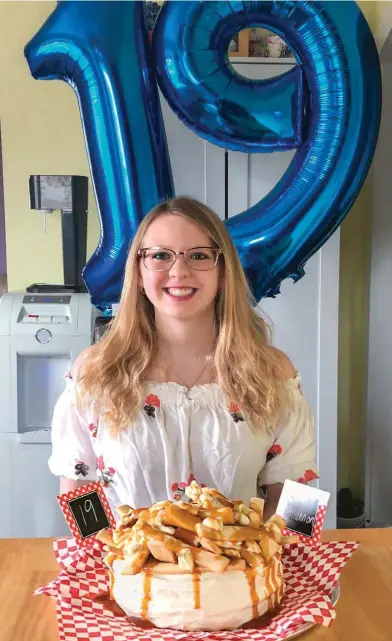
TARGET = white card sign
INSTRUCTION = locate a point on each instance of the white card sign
(303, 508)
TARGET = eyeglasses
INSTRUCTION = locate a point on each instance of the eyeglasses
(160, 259)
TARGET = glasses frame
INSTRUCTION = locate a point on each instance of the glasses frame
(217, 250)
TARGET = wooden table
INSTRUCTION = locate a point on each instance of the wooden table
(364, 611)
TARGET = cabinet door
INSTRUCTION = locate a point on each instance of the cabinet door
(304, 315)
(198, 166)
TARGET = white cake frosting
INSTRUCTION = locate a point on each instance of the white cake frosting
(199, 601)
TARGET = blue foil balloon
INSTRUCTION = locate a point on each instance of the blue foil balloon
(191, 40)
(101, 49)
(328, 108)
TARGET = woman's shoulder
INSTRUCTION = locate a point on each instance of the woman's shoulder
(78, 363)
(285, 367)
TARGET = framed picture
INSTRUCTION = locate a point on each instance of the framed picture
(239, 46)
(255, 42)
(258, 42)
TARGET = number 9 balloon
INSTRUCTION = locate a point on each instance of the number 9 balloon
(327, 108)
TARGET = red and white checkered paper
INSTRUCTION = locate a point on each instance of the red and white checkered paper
(310, 575)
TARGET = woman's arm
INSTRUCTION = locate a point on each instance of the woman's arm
(274, 490)
(66, 485)
(273, 495)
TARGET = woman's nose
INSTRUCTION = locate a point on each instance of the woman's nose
(179, 267)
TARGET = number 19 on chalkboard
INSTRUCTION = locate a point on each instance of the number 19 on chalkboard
(87, 512)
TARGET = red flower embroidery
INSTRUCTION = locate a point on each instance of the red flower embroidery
(93, 429)
(235, 411)
(274, 451)
(152, 401)
(106, 474)
(308, 476)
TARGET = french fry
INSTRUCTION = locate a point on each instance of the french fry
(241, 519)
(232, 554)
(186, 560)
(211, 546)
(274, 531)
(135, 562)
(254, 518)
(210, 561)
(235, 565)
(174, 515)
(124, 510)
(105, 536)
(257, 504)
(269, 547)
(220, 497)
(120, 536)
(187, 536)
(251, 558)
(229, 533)
(235, 545)
(226, 514)
(188, 507)
(160, 552)
(278, 520)
(168, 568)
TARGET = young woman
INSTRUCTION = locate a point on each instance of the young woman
(185, 385)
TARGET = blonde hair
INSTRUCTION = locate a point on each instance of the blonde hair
(248, 369)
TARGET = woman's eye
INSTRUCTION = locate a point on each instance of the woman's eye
(199, 256)
(161, 256)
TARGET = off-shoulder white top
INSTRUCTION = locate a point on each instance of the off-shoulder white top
(181, 435)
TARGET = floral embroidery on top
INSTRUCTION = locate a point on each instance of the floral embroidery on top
(105, 474)
(235, 411)
(179, 488)
(152, 401)
(308, 476)
(81, 468)
(93, 429)
(273, 451)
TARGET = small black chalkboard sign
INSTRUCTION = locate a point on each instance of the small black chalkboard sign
(87, 511)
(89, 514)
(300, 515)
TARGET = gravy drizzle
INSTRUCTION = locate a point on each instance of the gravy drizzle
(146, 593)
(251, 579)
(196, 589)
